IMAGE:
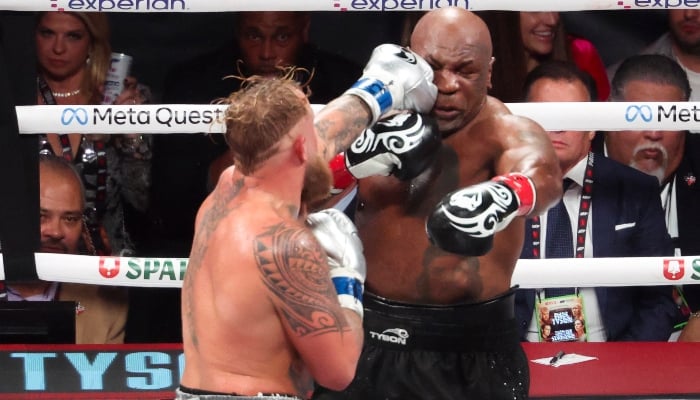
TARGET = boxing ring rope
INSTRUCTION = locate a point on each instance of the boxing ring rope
(150, 6)
(189, 118)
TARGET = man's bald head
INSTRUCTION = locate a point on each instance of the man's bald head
(449, 27)
(457, 45)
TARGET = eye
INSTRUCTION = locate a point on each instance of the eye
(45, 33)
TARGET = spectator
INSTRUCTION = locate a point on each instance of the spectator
(619, 215)
(522, 40)
(74, 54)
(679, 43)
(100, 310)
(183, 171)
(186, 166)
(673, 157)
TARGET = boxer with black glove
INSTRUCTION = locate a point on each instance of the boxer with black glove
(465, 221)
(395, 78)
(338, 237)
(402, 145)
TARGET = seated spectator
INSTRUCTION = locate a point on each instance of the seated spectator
(74, 54)
(101, 311)
(673, 157)
(619, 215)
(523, 40)
(186, 166)
(679, 43)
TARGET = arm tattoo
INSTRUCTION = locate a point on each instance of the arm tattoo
(295, 273)
(339, 127)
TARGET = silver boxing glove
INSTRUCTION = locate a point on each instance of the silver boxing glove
(338, 236)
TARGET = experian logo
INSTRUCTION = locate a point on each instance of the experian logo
(663, 4)
(70, 115)
(122, 5)
(399, 5)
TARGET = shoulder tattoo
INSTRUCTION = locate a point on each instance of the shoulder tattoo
(293, 267)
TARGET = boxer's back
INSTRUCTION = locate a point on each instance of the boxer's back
(223, 292)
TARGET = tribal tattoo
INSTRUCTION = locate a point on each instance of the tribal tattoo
(292, 266)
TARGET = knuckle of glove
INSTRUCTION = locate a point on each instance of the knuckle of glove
(465, 221)
(403, 144)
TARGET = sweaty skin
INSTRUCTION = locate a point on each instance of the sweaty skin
(283, 329)
(481, 139)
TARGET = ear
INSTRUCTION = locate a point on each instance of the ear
(489, 84)
(299, 147)
(305, 27)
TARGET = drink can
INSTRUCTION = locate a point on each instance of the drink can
(119, 69)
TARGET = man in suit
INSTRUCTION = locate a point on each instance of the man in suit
(673, 157)
(100, 310)
(618, 214)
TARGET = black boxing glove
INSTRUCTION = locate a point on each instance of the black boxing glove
(465, 221)
(403, 145)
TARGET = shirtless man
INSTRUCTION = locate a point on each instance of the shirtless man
(439, 324)
(271, 304)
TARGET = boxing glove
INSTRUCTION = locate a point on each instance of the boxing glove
(342, 178)
(403, 145)
(338, 237)
(465, 221)
(395, 78)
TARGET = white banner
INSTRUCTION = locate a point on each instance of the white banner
(150, 6)
(581, 272)
(189, 118)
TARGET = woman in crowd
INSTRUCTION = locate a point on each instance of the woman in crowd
(74, 55)
(522, 40)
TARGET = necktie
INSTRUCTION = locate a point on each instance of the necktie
(559, 243)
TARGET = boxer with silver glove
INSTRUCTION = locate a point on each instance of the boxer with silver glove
(402, 145)
(465, 221)
(338, 237)
(395, 78)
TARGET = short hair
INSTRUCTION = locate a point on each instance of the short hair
(65, 168)
(560, 71)
(259, 115)
(653, 68)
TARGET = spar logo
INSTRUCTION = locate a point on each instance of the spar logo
(696, 270)
(72, 116)
(634, 111)
(674, 269)
(109, 267)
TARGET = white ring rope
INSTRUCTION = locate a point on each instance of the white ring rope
(189, 118)
(586, 272)
(150, 6)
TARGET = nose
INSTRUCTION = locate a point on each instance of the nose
(52, 228)
(58, 45)
(446, 81)
(653, 135)
(267, 50)
(549, 18)
(691, 14)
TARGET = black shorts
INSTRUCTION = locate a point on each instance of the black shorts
(465, 351)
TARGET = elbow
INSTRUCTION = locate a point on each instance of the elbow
(340, 378)
(341, 374)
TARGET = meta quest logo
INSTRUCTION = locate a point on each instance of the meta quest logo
(664, 113)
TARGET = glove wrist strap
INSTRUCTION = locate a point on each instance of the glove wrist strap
(375, 93)
(524, 190)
